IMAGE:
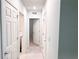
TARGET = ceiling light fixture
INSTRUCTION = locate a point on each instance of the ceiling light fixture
(34, 7)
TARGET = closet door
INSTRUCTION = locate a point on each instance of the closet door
(10, 51)
(36, 31)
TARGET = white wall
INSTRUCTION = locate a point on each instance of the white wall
(44, 32)
(52, 8)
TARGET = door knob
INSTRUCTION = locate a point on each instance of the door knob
(6, 53)
(44, 40)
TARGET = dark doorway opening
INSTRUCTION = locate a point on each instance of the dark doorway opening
(31, 25)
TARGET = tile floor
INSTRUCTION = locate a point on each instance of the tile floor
(33, 52)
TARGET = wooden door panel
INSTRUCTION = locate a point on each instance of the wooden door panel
(14, 48)
(8, 33)
(9, 54)
(8, 11)
(14, 32)
(11, 32)
(14, 51)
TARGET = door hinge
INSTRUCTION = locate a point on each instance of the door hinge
(17, 38)
(17, 16)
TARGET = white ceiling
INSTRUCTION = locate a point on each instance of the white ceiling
(31, 3)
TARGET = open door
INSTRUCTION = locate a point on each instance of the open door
(21, 30)
(10, 50)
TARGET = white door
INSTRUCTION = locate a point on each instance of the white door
(36, 31)
(44, 35)
(11, 32)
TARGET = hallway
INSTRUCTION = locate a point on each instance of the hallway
(24, 21)
(50, 24)
(33, 52)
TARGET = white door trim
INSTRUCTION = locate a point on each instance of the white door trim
(0, 32)
(3, 27)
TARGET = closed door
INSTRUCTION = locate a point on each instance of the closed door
(36, 31)
(44, 35)
(10, 51)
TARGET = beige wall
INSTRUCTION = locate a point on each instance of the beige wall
(21, 23)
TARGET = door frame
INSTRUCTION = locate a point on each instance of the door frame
(20, 14)
(2, 27)
(1, 30)
(29, 29)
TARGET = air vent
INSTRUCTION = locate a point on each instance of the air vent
(34, 12)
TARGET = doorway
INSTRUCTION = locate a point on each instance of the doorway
(21, 29)
(34, 31)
